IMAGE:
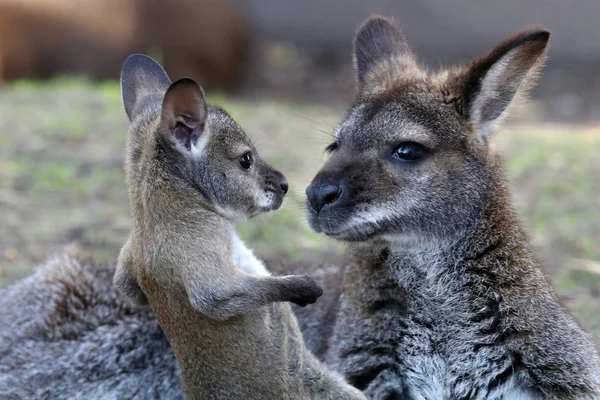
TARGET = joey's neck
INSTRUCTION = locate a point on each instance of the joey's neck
(168, 208)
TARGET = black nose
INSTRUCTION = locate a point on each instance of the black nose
(283, 184)
(320, 196)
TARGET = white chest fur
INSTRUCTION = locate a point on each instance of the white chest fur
(244, 259)
(437, 341)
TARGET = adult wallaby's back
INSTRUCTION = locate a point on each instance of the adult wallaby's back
(447, 295)
(66, 333)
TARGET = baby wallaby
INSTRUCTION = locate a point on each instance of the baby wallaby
(192, 172)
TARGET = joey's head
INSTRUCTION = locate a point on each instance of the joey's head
(413, 157)
(183, 147)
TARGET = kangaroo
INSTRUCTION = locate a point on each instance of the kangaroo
(443, 298)
(191, 173)
(456, 294)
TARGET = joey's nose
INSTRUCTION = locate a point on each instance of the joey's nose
(320, 196)
(283, 184)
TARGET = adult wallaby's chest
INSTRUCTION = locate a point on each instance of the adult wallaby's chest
(450, 347)
(444, 354)
(425, 339)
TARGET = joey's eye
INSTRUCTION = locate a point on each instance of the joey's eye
(246, 160)
(409, 152)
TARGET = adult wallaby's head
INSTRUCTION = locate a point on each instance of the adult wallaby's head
(197, 150)
(413, 156)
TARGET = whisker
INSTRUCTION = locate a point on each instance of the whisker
(299, 115)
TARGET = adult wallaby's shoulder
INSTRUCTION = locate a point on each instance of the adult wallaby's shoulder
(192, 173)
(449, 302)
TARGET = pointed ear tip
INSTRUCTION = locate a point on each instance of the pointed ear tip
(536, 34)
(188, 83)
(376, 23)
(136, 59)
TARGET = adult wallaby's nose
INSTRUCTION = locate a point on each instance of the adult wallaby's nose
(283, 184)
(320, 196)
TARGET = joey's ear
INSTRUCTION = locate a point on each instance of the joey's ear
(143, 80)
(184, 112)
(501, 78)
(379, 39)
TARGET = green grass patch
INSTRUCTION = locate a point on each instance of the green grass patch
(62, 181)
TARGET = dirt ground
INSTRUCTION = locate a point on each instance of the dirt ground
(62, 183)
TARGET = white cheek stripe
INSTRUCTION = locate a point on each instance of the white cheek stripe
(380, 213)
(264, 199)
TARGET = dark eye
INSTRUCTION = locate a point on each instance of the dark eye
(246, 160)
(332, 147)
(409, 151)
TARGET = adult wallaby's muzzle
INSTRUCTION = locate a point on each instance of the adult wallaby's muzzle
(323, 194)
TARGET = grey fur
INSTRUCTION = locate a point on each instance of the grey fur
(443, 298)
(419, 316)
(65, 333)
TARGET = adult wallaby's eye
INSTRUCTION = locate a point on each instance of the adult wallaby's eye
(409, 151)
(246, 160)
(332, 147)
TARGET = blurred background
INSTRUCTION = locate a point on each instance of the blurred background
(283, 70)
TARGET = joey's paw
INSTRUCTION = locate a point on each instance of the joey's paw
(303, 290)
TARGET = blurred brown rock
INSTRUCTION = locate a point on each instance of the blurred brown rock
(203, 39)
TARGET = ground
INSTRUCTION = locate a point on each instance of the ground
(62, 182)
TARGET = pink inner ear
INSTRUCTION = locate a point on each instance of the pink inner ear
(184, 112)
(187, 131)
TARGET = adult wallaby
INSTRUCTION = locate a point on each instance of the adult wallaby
(192, 172)
(391, 321)
(444, 298)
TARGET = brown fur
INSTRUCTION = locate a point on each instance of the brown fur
(443, 298)
(203, 39)
(220, 309)
(419, 316)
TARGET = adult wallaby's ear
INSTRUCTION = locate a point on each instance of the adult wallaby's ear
(504, 76)
(184, 112)
(142, 80)
(379, 39)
